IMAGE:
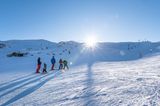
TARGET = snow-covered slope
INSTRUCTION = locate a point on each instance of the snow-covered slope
(35, 49)
(130, 83)
(102, 76)
(75, 53)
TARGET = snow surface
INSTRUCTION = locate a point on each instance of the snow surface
(102, 76)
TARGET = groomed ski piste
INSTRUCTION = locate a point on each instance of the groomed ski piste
(111, 74)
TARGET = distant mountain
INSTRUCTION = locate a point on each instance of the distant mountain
(76, 53)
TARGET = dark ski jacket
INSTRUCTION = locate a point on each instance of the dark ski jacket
(39, 61)
(53, 61)
(45, 66)
(60, 61)
(65, 62)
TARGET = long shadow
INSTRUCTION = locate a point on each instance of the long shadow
(15, 83)
(89, 93)
(32, 81)
(29, 90)
(5, 83)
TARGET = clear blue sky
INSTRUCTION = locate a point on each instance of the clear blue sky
(57, 20)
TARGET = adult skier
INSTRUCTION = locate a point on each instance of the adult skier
(53, 61)
(38, 65)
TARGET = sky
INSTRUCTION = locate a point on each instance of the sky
(65, 20)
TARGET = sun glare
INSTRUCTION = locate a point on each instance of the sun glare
(90, 42)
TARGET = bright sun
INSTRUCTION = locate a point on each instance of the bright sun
(90, 42)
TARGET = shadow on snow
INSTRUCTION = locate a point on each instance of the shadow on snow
(16, 83)
(18, 87)
(5, 83)
(89, 94)
(30, 89)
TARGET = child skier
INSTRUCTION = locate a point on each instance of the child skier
(45, 68)
(53, 61)
(65, 63)
(38, 65)
(60, 64)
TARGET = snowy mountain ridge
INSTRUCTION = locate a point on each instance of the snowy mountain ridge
(76, 53)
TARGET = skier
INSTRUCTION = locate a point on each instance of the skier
(38, 65)
(45, 68)
(53, 61)
(60, 64)
(65, 64)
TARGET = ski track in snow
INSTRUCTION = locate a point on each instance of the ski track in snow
(130, 83)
